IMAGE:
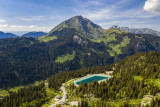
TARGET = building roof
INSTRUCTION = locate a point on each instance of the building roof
(58, 96)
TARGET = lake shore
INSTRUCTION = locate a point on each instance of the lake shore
(90, 75)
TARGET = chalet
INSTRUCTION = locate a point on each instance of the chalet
(58, 97)
(64, 103)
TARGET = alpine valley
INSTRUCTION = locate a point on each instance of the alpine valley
(81, 47)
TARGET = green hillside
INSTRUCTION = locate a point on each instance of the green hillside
(133, 79)
(65, 58)
(135, 82)
(47, 39)
(25, 60)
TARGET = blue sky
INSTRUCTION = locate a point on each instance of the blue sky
(43, 15)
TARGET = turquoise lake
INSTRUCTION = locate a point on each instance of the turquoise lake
(91, 79)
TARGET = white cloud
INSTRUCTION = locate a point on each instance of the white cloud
(88, 3)
(2, 21)
(34, 18)
(5, 27)
(116, 14)
(95, 2)
(97, 15)
(112, 14)
(114, 11)
(152, 6)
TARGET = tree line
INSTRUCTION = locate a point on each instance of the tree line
(25, 95)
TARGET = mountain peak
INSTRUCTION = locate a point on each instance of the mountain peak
(78, 16)
(81, 24)
(114, 27)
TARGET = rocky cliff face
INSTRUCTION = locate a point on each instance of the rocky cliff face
(79, 40)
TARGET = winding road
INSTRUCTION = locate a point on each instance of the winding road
(63, 98)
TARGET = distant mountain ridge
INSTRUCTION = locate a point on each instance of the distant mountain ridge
(34, 34)
(137, 31)
(7, 35)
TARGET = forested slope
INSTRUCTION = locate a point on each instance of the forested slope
(69, 46)
(133, 78)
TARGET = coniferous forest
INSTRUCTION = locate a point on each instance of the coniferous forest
(36, 60)
(24, 96)
(123, 85)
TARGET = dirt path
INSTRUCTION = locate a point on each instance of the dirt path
(63, 98)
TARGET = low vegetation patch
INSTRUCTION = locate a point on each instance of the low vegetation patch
(139, 78)
(117, 48)
(64, 58)
(3, 93)
(47, 39)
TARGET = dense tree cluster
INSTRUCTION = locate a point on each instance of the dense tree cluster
(123, 85)
(56, 80)
(142, 64)
(114, 89)
(24, 95)
(154, 103)
(85, 103)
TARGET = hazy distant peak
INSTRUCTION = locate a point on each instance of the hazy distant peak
(34, 34)
(7, 35)
(137, 30)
